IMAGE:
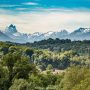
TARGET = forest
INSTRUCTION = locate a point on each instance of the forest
(51, 64)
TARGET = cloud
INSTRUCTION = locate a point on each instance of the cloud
(30, 3)
(47, 20)
(21, 9)
(8, 5)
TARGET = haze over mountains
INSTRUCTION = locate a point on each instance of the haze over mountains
(11, 34)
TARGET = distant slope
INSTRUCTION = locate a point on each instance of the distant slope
(4, 37)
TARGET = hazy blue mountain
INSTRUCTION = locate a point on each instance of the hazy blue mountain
(4, 37)
(11, 34)
(80, 34)
(11, 29)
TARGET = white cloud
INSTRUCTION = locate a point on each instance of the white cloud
(8, 5)
(47, 20)
(21, 9)
(30, 3)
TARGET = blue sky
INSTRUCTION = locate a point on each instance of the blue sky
(45, 15)
(32, 4)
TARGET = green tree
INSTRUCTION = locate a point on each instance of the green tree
(3, 78)
(13, 49)
(20, 84)
(49, 67)
(18, 66)
(4, 49)
(8, 61)
(23, 68)
(73, 78)
(29, 52)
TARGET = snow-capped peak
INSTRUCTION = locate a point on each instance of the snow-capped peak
(36, 34)
(11, 29)
(82, 30)
(87, 30)
(13, 34)
(48, 33)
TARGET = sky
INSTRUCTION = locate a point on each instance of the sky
(31, 16)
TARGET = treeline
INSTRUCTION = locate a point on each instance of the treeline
(81, 47)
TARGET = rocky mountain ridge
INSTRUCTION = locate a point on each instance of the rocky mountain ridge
(11, 34)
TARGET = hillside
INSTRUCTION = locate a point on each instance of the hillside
(25, 66)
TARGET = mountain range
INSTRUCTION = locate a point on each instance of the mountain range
(11, 34)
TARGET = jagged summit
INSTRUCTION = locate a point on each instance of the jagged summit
(84, 29)
(81, 31)
(64, 31)
(11, 29)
